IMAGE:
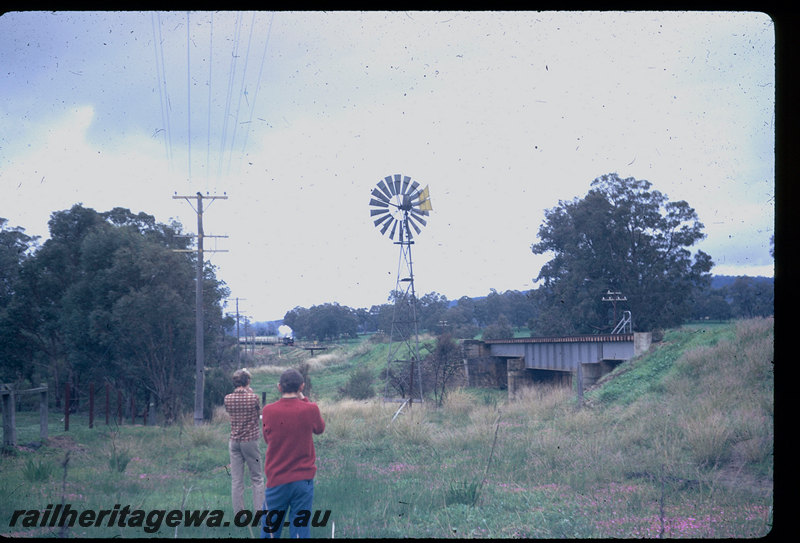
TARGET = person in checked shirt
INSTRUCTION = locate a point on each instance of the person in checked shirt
(244, 409)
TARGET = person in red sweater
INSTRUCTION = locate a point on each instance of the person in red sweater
(288, 426)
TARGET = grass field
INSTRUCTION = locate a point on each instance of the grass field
(676, 443)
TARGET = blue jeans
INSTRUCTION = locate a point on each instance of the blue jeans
(294, 498)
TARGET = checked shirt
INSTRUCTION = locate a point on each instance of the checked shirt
(244, 408)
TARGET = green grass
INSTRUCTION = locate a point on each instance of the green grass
(678, 442)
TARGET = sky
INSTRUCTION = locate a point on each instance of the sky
(296, 116)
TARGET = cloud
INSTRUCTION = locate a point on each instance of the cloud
(502, 114)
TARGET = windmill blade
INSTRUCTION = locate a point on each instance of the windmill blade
(381, 219)
(418, 213)
(394, 227)
(417, 216)
(390, 184)
(388, 223)
(413, 188)
(378, 203)
(373, 212)
(406, 181)
(385, 190)
(397, 182)
(379, 195)
(414, 225)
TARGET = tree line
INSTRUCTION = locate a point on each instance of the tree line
(106, 299)
(623, 236)
(498, 314)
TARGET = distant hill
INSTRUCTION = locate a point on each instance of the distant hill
(717, 282)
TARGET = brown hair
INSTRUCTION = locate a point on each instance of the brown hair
(241, 378)
(290, 381)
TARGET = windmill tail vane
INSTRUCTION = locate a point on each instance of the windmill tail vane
(425, 200)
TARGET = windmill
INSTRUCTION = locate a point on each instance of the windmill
(397, 207)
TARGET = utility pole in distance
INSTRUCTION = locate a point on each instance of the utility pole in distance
(199, 382)
(614, 297)
(238, 341)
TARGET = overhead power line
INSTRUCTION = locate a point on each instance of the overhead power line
(241, 91)
(229, 94)
(241, 78)
(161, 77)
(210, 65)
(258, 85)
(188, 98)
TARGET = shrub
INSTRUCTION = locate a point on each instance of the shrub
(217, 385)
(359, 385)
(119, 460)
(203, 436)
(464, 492)
(379, 337)
(708, 437)
(37, 471)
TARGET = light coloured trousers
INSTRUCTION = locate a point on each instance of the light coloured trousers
(246, 452)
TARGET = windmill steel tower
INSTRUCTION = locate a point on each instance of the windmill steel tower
(397, 207)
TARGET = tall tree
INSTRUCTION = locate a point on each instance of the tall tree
(622, 236)
(432, 308)
(461, 322)
(326, 321)
(499, 330)
(15, 351)
(751, 297)
(106, 297)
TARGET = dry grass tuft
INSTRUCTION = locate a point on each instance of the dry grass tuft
(459, 402)
(540, 403)
(411, 426)
(220, 415)
(361, 420)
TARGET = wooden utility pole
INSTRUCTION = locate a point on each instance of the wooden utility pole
(614, 297)
(238, 341)
(199, 336)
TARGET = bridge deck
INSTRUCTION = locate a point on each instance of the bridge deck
(564, 353)
(594, 338)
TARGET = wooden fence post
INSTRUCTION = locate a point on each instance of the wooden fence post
(108, 393)
(66, 406)
(9, 422)
(91, 405)
(43, 412)
(10, 408)
(119, 407)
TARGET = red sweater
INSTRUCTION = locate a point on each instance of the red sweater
(287, 426)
